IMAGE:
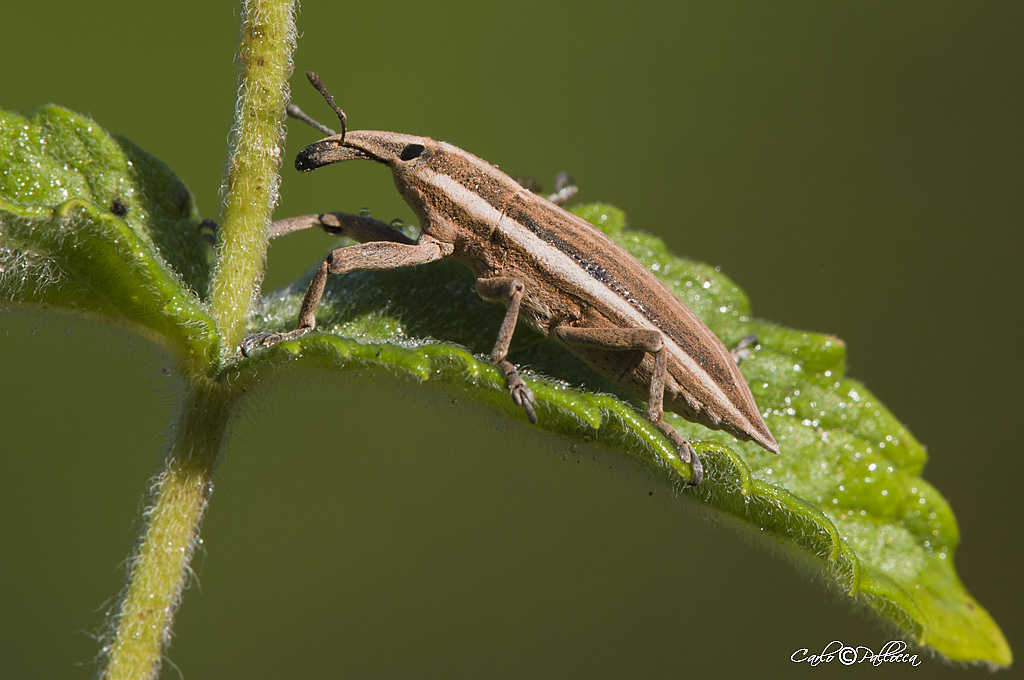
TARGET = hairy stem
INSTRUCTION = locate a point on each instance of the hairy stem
(257, 140)
(160, 567)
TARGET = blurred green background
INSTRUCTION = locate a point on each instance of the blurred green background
(855, 167)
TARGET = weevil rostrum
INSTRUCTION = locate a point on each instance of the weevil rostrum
(553, 270)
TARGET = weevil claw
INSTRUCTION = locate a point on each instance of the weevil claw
(258, 341)
(267, 339)
(689, 455)
(524, 397)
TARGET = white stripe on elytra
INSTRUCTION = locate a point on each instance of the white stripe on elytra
(567, 269)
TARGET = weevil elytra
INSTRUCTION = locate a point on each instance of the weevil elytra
(551, 268)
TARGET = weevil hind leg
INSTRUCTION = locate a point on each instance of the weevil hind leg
(565, 189)
(687, 454)
(649, 341)
(743, 348)
(656, 414)
(510, 290)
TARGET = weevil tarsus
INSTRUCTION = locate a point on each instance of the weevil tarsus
(650, 342)
(743, 348)
(509, 290)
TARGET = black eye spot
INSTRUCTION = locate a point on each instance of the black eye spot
(411, 151)
(119, 207)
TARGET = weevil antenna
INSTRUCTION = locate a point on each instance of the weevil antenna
(295, 112)
(315, 81)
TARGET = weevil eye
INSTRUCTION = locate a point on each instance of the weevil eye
(411, 151)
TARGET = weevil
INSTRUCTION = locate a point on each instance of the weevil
(552, 269)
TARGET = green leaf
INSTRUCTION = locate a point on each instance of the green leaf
(91, 224)
(845, 492)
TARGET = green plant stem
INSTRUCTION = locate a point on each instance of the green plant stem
(250, 188)
(160, 568)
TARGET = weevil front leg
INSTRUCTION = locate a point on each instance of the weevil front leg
(649, 341)
(397, 252)
(356, 227)
(510, 290)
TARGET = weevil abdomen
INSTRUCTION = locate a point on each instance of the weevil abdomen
(577, 271)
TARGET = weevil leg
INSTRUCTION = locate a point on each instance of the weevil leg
(742, 349)
(565, 189)
(367, 256)
(208, 231)
(510, 290)
(528, 183)
(649, 341)
(356, 227)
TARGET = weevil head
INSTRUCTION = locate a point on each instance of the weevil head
(404, 154)
(445, 186)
